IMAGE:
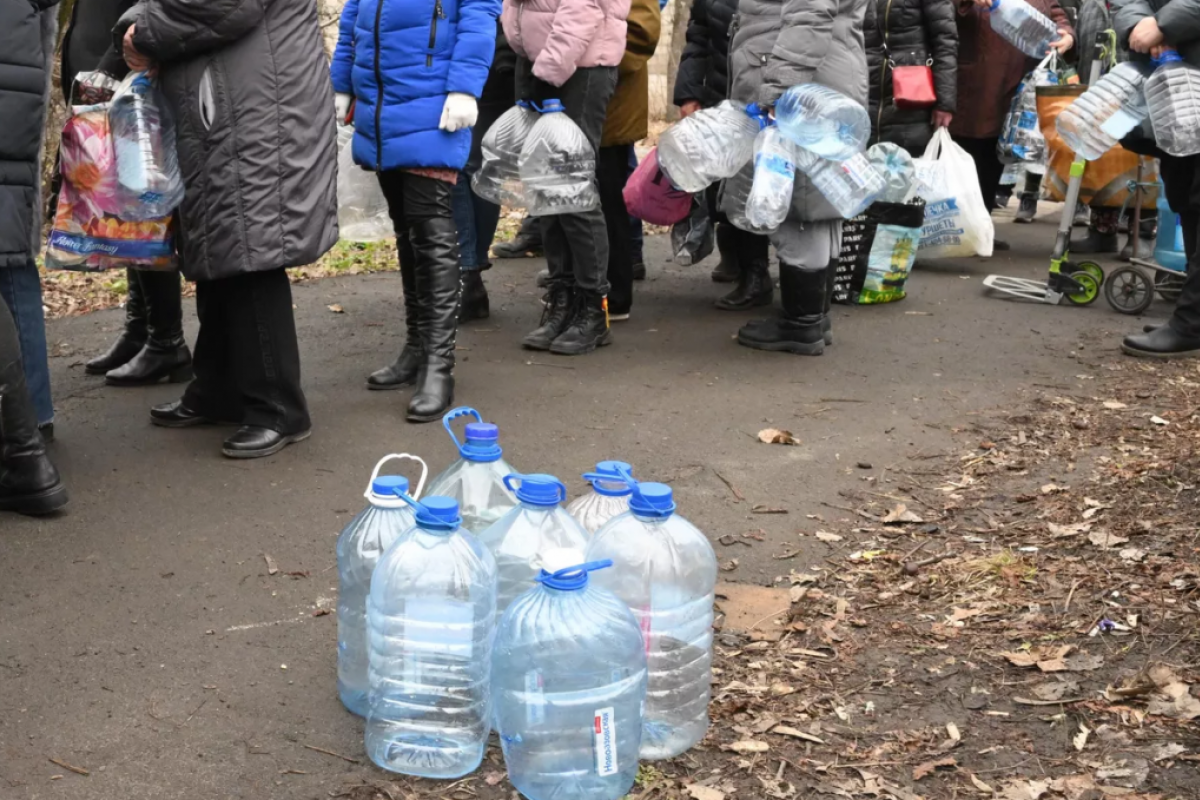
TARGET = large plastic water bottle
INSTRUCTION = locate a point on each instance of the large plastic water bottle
(774, 175)
(144, 142)
(823, 120)
(498, 178)
(896, 167)
(476, 480)
(558, 166)
(1109, 109)
(359, 548)
(569, 676)
(1169, 249)
(710, 145)
(431, 619)
(850, 185)
(666, 572)
(1173, 98)
(1025, 28)
(608, 498)
(520, 538)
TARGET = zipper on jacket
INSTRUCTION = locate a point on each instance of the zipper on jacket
(379, 88)
(438, 13)
(734, 24)
(887, 55)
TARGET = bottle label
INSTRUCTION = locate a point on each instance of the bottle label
(605, 735)
(856, 169)
(535, 698)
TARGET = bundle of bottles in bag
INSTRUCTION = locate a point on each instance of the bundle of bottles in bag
(535, 157)
(581, 633)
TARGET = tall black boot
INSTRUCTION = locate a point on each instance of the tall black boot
(588, 328)
(165, 355)
(29, 483)
(475, 303)
(132, 338)
(728, 270)
(799, 330)
(556, 315)
(827, 316)
(435, 242)
(403, 371)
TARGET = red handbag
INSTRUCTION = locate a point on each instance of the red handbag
(912, 87)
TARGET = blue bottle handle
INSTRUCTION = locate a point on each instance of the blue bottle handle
(571, 577)
(756, 113)
(550, 106)
(562, 489)
(593, 477)
(453, 414)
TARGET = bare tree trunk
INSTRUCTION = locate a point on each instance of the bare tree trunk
(683, 13)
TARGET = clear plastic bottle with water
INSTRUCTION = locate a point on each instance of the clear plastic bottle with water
(144, 143)
(823, 120)
(498, 178)
(569, 676)
(359, 548)
(1169, 249)
(665, 570)
(431, 620)
(850, 185)
(1109, 109)
(476, 480)
(774, 176)
(710, 145)
(1173, 99)
(1023, 26)
(558, 166)
(520, 538)
(896, 167)
(608, 498)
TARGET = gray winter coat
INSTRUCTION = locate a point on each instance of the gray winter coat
(1179, 21)
(782, 43)
(249, 85)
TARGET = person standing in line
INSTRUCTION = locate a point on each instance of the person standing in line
(248, 86)
(569, 50)
(626, 121)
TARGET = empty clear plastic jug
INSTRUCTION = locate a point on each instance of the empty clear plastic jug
(665, 570)
(431, 619)
(537, 525)
(608, 498)
(774, 176)
(144, 143)
(896, 167)
(710, 145)
(1169, 249)
(850, 185)
(498, 178)
(476, 480)
(359, 548)
(1023, 26)
(1173, 99)
(1109, 109)
(823, 120)
(558, 166)
(569, 676)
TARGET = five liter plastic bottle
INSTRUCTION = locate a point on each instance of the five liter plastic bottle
(359, 548)
(519, 540)
(431, 620)
(1108, 110)
(850, 185)
(498, 178)
(1025, 28)
(569, 674)
(144, 143)
(1173, 98)
(665, 570)
(774, 175)
(476, 480)
(823, 121)
(558, 166)
(608, 498)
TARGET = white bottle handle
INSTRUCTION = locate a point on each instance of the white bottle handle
(399, 456)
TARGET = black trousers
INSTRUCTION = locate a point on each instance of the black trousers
(1181, 179)
(987, 166)
(247, 359)
(612, 171)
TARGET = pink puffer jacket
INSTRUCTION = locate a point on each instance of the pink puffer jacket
(559, 36)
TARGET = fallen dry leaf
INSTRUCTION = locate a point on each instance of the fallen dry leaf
(1106, 539)
(1176, 701)
(699, 792)
(1061, 531)
(336, 308)
(1157, 420)
(1056, 690)
(1080, 739)
(953, 732)
(1025, 790)
(929, 767)
(1047, 659)
(784, 730)
(492, 778)
(1114, 405)
(747, 746)
(980, 785)
(900, 514)
(826, 536)
(272, 568)
(776, 436)
(1084, 662)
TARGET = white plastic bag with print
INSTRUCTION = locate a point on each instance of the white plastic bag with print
(957, 223)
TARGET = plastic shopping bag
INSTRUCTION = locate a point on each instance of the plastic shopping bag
(650, 196)
(362, 210)
(878, 249)
(692, 239)
(957, 223)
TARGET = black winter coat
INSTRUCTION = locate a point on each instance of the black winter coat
(911, 32)
(88, 42)
(704, 65)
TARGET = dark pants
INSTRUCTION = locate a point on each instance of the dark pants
(637, 235)
(747, 248)
(1181, 179)
(576, 245)
(21, 290)
(612, 172)
(247, 359)
(987, 166)
(475, 217)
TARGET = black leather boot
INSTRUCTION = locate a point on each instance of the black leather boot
(1162, 342)
(403, 371)
(435, 243)
(556, 315)
(165, 355)
(754, 288)
(827, 315)
(29, 483)
(132, 338)
(728, 270)
(588, 328)
(475, 303)
(800, 329)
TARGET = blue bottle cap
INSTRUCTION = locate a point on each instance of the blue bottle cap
(995, 5)
(389, 486)
(537, 490)
(438, 514)
(1169, 55)
(550, 106)
(610, 472)
(571, 578)
(654, 500)
(482, 439)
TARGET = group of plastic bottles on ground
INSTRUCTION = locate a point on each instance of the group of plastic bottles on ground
(581, 635)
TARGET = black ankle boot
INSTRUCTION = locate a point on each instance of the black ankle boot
(556, 315)
(728, 270)
(403, 371)
(801, 328)
(435, 390)
(588, 328)
(166, 355)
(754, 288)
(29, 483)
(1162, 342)
(435, 244)
(132, 339)
(474, 303)
(827, 314)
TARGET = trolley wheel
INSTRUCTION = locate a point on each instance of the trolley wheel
(1091, 268)
(1129, 290)
(1089, 292)
(1168, 285)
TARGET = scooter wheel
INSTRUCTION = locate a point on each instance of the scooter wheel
(1089, 291)
(1091, 268)
(1129, 290)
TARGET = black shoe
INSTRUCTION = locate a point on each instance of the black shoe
(1162, 342)
(588, 328)
(399, 374)
(556, 315)
(474, 303)
(754, 288)
(435, 391)
(526, 244)
(170, 361)
(803, 336)
(728, 270)
(639, 270)
(251, 441)
(1027, 210)
(47, 432)
(1095, 242)
(1001, 246)
(29, 483)
(132, 338)
(1145, 249)
(176, 415)
(403, 371)
(1150, 328)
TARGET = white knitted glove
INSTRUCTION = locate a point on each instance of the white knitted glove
(341, 104)
(461, 111)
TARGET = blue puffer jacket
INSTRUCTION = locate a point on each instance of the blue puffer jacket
(412, 53)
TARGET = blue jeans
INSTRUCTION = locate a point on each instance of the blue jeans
(476, 220)
(21, 288)
(635, 225)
